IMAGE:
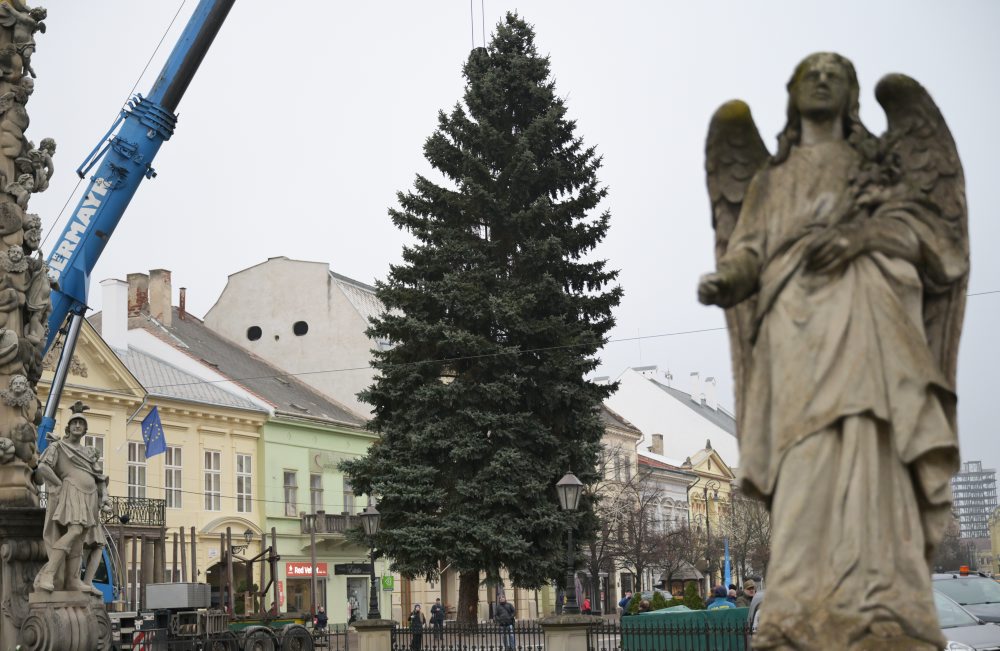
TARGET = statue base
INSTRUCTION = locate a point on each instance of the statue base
(65, 621)
(22, 554)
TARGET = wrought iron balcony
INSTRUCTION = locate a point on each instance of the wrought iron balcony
(141, 511)
(328, 523)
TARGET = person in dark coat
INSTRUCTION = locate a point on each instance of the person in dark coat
(321, 619)
(504, 617)
(745, 596)
(437, 620)
(417, 622)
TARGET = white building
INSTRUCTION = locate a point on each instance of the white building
(686, 420)
(305, 319)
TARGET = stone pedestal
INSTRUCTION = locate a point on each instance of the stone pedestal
(567, 632)
(16, 487)
(374, 634)
(22, 554)
(65, 621)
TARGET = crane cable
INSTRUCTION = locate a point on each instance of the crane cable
(124, 103)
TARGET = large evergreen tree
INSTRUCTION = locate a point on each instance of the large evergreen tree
(496, 314)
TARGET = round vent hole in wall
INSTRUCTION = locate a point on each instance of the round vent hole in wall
(253, 333)
(300, 328)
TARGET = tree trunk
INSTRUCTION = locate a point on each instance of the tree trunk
(468, 597)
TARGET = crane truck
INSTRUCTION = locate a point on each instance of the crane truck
(176, 615)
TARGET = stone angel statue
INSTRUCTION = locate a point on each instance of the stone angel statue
(843, 262)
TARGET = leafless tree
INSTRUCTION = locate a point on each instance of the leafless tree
(747, 524)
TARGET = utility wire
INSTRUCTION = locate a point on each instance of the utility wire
(127, 97)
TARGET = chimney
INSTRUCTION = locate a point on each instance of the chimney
(160, 296)
(710, 400)
(114, 317)
(138, 294)
(657, 446)
(646, 371)
(696, 387)
(182, 304)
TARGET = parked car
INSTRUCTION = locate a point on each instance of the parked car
(963, 630)
(977, 593)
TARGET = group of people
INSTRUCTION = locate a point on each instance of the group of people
(733, 597)
(418, 620)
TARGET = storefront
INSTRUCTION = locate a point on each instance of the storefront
(297, 590)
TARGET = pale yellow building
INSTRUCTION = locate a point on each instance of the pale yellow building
(207, 480)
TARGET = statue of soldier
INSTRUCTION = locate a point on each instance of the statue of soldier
(77, 490)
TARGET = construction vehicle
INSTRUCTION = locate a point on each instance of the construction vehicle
(183, 615)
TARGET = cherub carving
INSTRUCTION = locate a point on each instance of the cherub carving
(38, 163)
(37, 300)
(25, 22)
(843, 261)
(21, 189)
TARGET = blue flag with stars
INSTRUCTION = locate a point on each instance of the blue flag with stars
(152, 434)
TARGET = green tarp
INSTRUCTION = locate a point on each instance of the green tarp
(674, 629)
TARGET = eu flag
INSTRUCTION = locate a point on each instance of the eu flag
(152, 434)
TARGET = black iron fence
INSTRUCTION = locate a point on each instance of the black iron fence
(335, 637)
(522, 636)
(670, 636)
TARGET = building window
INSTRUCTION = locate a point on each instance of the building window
(316, 492)
(244, 483)
(136, 470)
(213, 480)
(96, 442)
(291, 489)
(348, 496)
(172, 477)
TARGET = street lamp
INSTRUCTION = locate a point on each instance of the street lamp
(570, 488)
(370, 520)
(248, 536)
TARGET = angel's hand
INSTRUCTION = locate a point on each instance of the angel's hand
(711, 288)
(836, 247)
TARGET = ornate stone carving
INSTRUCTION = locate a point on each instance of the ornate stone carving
(843, 262)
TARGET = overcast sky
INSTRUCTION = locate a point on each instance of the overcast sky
(306, 118)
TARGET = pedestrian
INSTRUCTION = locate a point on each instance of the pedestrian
(749, 590)
(437, 621)
(623, 604)
(321, 619)
(585, 608)
(417, 621)
(504, 617)
(719, 599)
(731, 596)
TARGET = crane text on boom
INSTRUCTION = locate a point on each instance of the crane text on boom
(77, 226)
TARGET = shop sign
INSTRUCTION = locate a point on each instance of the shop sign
(293, 570)
(389, 583)
(355, 569)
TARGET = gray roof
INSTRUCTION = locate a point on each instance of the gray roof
(719, 417)
(614, 419)
(361, 296)
(287, 394)
(162, 379)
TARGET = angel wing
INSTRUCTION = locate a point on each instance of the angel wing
(734, 153)
(920, 144)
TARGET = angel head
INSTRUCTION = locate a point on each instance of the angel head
(823, 86)
(48, 145)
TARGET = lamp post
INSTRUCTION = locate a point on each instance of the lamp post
(712, 485)
(370, 521)
(570, 489)
(248, 536)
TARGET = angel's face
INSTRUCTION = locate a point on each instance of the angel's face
(823, 89)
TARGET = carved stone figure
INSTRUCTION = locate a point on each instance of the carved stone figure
(24, 22)
(74, 476)
(38, 163)
(843, 262)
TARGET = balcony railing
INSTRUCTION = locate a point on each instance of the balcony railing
(140, 511)
(328, 523)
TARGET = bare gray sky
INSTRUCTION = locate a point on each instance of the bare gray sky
(293, 141)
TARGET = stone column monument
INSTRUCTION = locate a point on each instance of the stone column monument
(842, 262)
(61, 613)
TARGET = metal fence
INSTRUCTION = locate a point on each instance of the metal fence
(522, 636)
(669, 636)
(335, 637)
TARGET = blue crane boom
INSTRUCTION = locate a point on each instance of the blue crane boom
(123, 158)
